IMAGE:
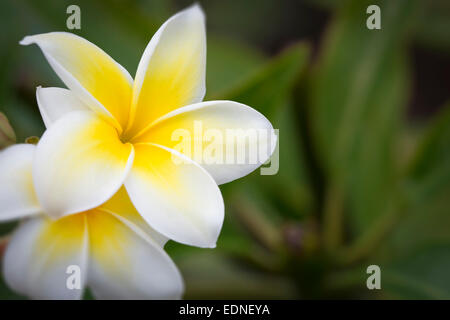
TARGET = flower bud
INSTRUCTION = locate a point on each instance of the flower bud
(32, 140)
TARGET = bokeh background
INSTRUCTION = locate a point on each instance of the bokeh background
(364, 119)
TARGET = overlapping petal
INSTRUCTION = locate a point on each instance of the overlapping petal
(17, 196)
(171, 73)
(39, 253)
(175, 196)
(89, 72)
(125, 263)
(123, 209)
(112, 249)
(56, 102)
(80, 163)
(227, 138)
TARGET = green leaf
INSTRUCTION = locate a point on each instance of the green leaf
(268, 88)
(422, 275)
(417, 253)
(429, 174)
(229, 63)
(426, 216)
(358, 94)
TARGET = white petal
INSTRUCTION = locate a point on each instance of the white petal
(127, 264)
(56, 102)
(80, 163)
(171, 73)
(179, 200)
(239, 126)
(37, 258)
(17, 196)
(103, 84)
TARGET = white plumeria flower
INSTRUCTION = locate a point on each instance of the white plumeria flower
(119, 256)
(108, 131)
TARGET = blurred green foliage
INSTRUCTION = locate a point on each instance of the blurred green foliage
(355, 187)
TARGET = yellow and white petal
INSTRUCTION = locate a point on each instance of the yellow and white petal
(98, 80)
(127, 264)
(47, 259)
(56, 102)
(80, 163)
(175, 196)
(123, 209)
(227, 138)
(17, 196)
(171, 73)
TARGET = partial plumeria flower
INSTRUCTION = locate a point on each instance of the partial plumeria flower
(108, 131)
(118, 255)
